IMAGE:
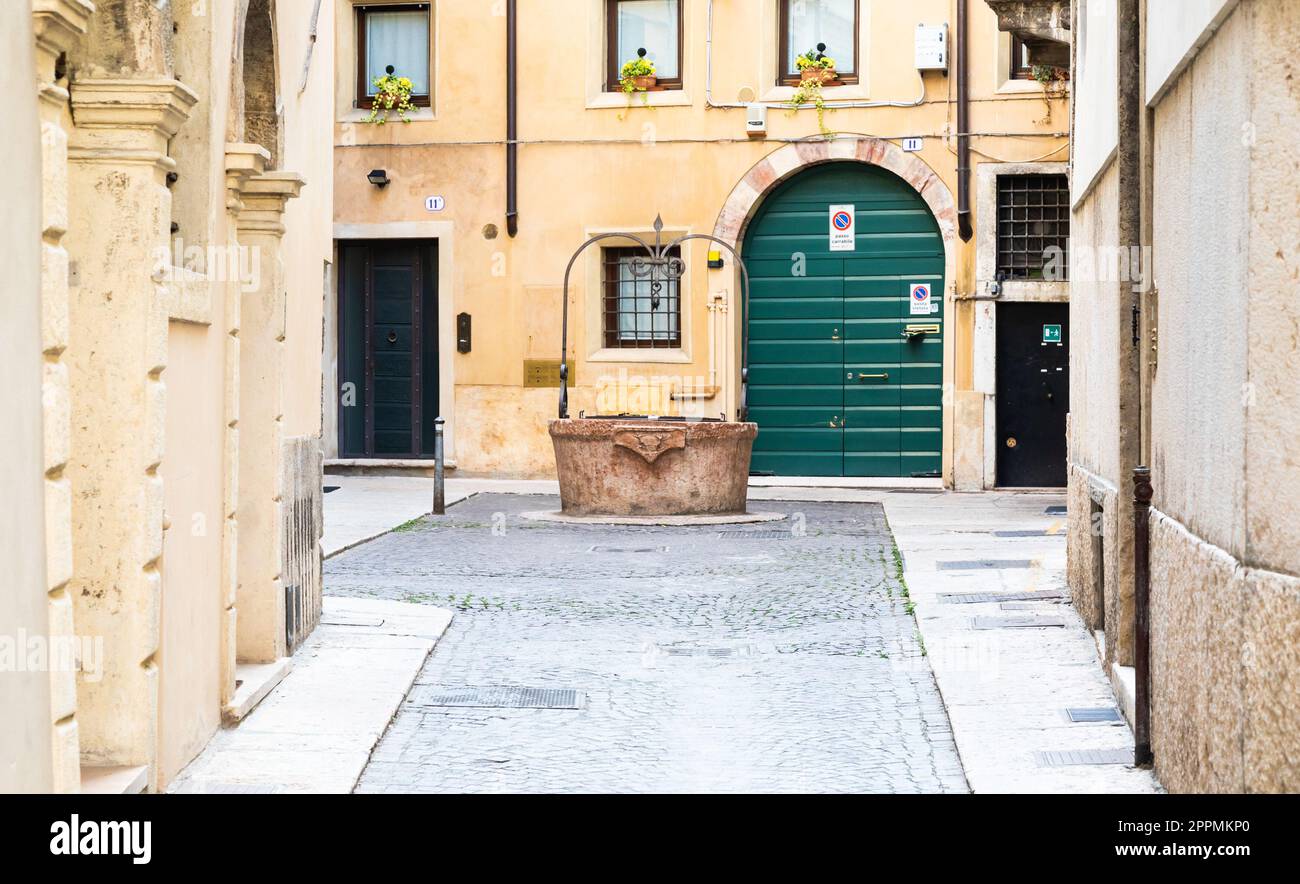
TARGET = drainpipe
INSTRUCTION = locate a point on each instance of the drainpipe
(512, 118)
(963, 123)
(1142, 493)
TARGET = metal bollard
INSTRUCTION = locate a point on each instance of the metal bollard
(439, 502)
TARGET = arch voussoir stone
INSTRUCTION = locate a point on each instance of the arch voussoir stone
(790, 159)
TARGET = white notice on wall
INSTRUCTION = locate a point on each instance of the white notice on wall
(920, 298)
(843, 228)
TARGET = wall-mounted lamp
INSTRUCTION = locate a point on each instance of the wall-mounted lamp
(379, 178)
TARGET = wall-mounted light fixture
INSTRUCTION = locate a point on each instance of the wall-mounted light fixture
(379, 178)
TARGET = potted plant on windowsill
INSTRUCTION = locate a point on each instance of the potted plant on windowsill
(638, 75)
(392, 95)
(816, 69)
(816, 66)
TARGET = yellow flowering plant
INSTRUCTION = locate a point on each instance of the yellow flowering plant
(392, 95)
(637, 67)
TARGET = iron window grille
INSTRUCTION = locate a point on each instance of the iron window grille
(1033, 216)
(643, 305)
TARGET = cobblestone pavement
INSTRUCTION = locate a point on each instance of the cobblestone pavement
(770, 657)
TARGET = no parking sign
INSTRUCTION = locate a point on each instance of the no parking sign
(843, 232)
(922, 303)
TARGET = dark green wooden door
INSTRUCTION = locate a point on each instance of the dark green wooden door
(388, 350)
(837, 386)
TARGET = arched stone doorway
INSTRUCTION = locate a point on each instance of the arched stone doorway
(846, 376)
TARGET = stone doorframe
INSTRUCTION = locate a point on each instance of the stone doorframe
(985, 342)
(745, 199)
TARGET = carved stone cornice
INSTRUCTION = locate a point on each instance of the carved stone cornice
(243, 161)
(263, 199)
(1043, 26)
(59, 24)
(127, 120)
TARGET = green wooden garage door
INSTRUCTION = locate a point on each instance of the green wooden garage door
(835, 386)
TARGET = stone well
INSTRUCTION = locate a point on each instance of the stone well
(663, 467)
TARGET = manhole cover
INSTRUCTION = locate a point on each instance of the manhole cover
(974, 598)
(628, 549)
(1016, 622)
(1073, 757)
(1054, 511)
(496, 697)
(754, 535)
(1094, 714)
(983, 564)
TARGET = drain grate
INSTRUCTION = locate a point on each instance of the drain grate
(1092, 714)
(698, 651)
(1016, 622)
(1023, 534)
(209, 787)
(1072, 757)
(975, 598)
(496, 697)
(983, 564)
(1054, 511)
(754, 535)
(628, 549)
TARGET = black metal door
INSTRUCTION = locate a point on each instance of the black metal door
(388, 365)
(1033, 393)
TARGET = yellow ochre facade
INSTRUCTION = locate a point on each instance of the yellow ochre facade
(592, 159)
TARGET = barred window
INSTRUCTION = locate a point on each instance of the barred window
(1033, 216)
(643, 305)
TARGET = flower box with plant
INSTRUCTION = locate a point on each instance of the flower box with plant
(816, 65)
(638, 75)
(816, 69)
(392, 95)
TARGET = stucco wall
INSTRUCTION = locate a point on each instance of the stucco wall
(1098, 328)
(588, 163)
(25, 745)
(1226, 413)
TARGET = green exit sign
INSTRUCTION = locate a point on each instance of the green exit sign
(1051, 334)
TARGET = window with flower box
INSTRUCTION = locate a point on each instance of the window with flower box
(393, 39)
(651, 25)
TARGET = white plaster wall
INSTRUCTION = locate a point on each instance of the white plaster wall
(1178, 28)
(1202, 187)
(1096, 123)
(1095, 323)
(25, 758)
(309, 219)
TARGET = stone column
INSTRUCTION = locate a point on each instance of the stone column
(58, 25)
(243, 161)
(117, 240)
(260, 636)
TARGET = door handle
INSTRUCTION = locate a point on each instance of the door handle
(392, 337)
(884, 376)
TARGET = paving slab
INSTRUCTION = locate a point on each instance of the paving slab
(315, 731)
(1006, 689)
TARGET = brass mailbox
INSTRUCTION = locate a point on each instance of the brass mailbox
(916, 329)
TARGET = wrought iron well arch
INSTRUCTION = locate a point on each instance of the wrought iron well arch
(659, 258)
